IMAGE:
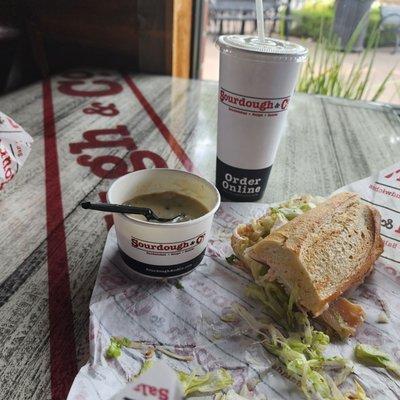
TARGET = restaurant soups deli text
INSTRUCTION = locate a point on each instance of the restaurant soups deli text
(104, 84)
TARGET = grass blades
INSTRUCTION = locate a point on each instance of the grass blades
(324, 71)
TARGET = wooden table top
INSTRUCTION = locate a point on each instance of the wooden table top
(88, 129)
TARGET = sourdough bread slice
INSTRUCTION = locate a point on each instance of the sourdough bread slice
(325, 251)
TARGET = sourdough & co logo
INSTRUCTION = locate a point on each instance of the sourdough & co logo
(253, 105)
(167, 248)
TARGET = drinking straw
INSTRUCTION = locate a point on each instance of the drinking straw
(260, 20)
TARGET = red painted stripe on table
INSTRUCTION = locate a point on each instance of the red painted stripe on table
(62, 339)
(169, 137)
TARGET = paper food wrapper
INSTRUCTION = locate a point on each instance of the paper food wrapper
(159, 383)
(15, 145)
(187, 321)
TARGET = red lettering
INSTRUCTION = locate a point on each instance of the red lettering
(367, 293)
(146, 390)
(180, 334)
(206, 359)
(139, 388)
(19, 150)
(228, 218)
(390, 270)
(200, 238)
(13, 123)
(110, 282)
(388, 176)
(139, 157)
(153, 390)
(97, 108)
(111, 87)
(136, 295)
(140, 308)
(210, 250)
(221, 301)
(8, 174)
(97, 166)
(6, 162)
(163, 394)
(93, 142)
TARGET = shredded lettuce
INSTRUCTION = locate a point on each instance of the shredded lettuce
(258, 271)
(274, 218)
(210, 382)
(273, 297)
(301, 352)
(228, 317)
(280, 220)
(176, 356)
(291, 213)
(359, 394)
(372, 356)
(114, 349)
(294, 341)
(147, 364)
(116, 343)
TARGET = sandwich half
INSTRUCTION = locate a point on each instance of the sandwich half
(318, 255)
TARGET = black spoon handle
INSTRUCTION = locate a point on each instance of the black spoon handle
(120, 208)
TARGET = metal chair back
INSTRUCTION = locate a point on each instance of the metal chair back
(390, 16)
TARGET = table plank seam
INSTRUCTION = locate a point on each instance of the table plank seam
(342, 181)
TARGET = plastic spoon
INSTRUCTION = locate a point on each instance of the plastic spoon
(125, 209)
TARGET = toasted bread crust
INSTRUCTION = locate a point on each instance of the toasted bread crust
(294, 240)
(368, 265)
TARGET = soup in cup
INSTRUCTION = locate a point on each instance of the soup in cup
(164, 249)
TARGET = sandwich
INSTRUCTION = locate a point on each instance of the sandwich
(317, 250)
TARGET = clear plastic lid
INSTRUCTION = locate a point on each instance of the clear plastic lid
(280, 50)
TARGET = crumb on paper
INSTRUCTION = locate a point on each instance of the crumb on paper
(176, 356)
(228, 317)
(149, 353)
(383, 318)
(232, 259)
(178, 285)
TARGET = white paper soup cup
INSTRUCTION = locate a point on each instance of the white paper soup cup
(162, 250)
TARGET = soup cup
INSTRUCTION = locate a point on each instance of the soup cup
(162, 250)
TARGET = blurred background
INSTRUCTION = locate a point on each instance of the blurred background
(354, 44)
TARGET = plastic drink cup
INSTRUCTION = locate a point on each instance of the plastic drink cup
(256, 83)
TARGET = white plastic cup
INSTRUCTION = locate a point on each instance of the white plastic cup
(256, 83)
(162, 250)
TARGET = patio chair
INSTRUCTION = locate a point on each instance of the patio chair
(390, 22)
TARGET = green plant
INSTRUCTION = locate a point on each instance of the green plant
(323, 72)
(308, 19)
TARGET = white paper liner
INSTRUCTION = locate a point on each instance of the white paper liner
(15, 145)
(188, 319)
(159, 383)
